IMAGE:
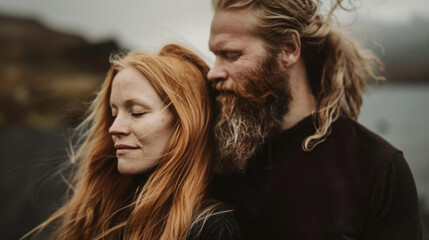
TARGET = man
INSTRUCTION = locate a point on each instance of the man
(292, 160)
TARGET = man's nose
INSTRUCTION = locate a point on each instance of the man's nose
(217, 72)
(119, 127)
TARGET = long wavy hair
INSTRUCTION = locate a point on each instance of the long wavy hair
(104, 204)
(337, 67)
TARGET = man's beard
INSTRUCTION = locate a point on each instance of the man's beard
(248, 113)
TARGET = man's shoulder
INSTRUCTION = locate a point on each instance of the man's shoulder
(349, 134)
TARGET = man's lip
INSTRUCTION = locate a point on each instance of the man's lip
(123, 146)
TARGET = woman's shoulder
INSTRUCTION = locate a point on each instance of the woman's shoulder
(220, 224)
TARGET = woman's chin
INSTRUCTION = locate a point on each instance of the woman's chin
(125, 168)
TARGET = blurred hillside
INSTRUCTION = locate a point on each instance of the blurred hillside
(46, 80)
(47, 76)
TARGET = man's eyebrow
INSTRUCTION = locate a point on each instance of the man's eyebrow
(224, 49)
(212, 48)
(216, 46)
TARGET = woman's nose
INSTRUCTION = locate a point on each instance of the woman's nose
(119, 127)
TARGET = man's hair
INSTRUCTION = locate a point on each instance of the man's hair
(337, 67)
(107, 205)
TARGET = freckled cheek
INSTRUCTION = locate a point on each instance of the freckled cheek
(166, 127)
(156, 133)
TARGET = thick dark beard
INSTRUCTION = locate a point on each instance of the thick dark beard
(246, 115)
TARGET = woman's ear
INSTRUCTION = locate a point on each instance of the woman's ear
(290, 53)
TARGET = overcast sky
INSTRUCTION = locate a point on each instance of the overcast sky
(148, 24)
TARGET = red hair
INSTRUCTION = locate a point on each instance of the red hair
(107, 205)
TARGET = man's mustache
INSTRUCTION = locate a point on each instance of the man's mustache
(238, 91)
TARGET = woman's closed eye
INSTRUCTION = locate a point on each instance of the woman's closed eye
(137, 114)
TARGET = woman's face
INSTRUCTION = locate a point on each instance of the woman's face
(142, 124)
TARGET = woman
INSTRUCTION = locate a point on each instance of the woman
(144, 163)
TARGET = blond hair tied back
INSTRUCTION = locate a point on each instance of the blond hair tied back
(338, 69)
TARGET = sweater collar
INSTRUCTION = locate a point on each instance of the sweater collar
(141, 179)
(306, 125)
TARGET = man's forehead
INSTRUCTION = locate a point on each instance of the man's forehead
(230, 20)
(228, 25)
(221, 42)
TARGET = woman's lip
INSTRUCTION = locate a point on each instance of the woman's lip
(123, 146)
(122, 149)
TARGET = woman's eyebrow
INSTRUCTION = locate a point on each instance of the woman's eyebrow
(135, 101)
(129, 103)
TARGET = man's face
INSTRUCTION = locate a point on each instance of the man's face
(236, 50)
(252, 91)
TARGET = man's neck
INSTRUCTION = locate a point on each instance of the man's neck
(303, 102)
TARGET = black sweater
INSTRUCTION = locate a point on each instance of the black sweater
(221, 225)
(354, 185)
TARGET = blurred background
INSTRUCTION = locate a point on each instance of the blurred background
(54, 55)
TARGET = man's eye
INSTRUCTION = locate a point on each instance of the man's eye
(231, 56)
